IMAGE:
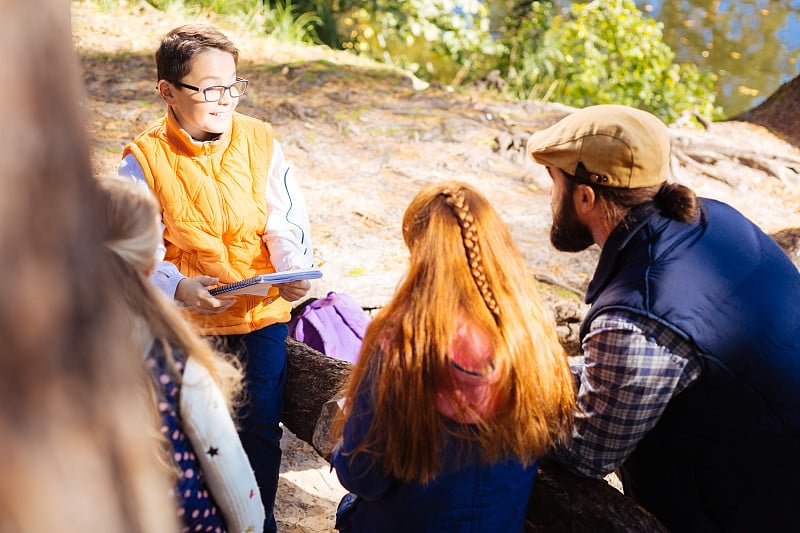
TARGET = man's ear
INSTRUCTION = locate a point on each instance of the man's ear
(166, 91)
(584, 199)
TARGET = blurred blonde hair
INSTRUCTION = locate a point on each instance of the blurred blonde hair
(77, 456)
(131, 218)
(463, 263)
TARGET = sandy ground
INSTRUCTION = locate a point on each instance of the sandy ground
(308, 492)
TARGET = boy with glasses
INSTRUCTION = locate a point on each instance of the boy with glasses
(231, 209)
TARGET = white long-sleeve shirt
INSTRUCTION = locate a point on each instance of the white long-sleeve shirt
(286, 235)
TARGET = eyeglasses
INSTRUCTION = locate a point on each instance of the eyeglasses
(215, 92)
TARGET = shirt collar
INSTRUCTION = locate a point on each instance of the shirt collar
(181, 139)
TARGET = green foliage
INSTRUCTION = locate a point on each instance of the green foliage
(107, 6)
(214, 6)
(327, 12)
(442, 40)
(177, 8)
(286, 25)
(606, 52)
(521, 27)
(282, 20)
(325, 25)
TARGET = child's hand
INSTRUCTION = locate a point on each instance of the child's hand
(294, 290)
(193, 292)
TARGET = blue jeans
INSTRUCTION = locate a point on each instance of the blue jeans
(263, 354)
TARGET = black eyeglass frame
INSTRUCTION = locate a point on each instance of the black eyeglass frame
(220, 88)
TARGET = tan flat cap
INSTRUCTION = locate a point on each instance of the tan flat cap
(624, 147)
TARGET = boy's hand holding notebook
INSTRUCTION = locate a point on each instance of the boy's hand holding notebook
(260, 285)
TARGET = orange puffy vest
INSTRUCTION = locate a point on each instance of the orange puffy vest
(213, 206)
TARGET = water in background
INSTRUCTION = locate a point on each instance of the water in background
(752, 45)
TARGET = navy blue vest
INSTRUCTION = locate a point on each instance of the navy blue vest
(725, 453)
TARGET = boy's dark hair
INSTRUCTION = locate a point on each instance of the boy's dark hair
(179, 46)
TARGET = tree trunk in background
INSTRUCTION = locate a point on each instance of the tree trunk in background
(560, 501)
(780, 113)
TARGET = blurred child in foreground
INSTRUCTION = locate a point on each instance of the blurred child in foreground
(193, 388)
(78, 456)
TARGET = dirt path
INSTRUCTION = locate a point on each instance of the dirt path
(308, 492)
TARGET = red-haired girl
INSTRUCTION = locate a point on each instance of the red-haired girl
(461, 384)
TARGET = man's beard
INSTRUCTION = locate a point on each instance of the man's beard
(568, 234)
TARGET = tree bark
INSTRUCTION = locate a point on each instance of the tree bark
(560, 501)
(311, 380)
(780, 113)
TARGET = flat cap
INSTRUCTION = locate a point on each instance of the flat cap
(619, 146)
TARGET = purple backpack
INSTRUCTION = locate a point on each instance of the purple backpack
(333, 325)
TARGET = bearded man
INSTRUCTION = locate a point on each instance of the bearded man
(689, 382)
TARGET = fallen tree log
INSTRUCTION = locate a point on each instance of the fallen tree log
(311, 380)
(560, 501)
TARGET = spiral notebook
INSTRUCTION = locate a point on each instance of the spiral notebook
(260, 285)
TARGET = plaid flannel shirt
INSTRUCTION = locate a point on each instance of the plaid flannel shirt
(630, 369)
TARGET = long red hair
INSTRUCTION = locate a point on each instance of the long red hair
(463, 263)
